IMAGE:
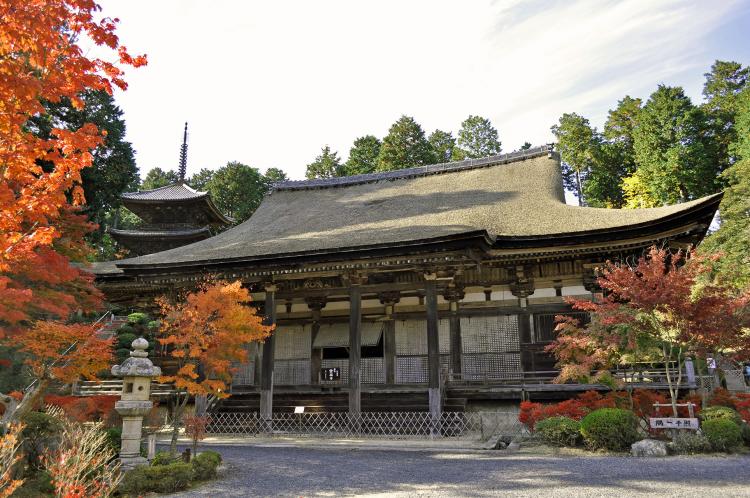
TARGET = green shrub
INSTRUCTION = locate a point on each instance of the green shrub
(125, 340)
(559, 431)
(122, 353)
(126, 329)
(721, 412)
(204, 465)
(610, 428)
(41, 431)
(114, 438)
(745, 433)
(138, 318)
(165, 458)
(36, 485)
(690, 443)
(723, 434)
(153, 325)
(160, 479)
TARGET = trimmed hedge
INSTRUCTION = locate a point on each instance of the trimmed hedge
(559, 431)
(690, 443)
(165, 458)
(139, 318)
(204, 465)
(612, 429)
(157, 478)
(720, 412)
(125, 340)
(723, 434)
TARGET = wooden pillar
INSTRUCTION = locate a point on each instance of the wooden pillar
(316, 304)
(454, 295)
(316, 359)
(355, 348)
(389, 346)
(266, 378)
(433, 346)
(389, 300)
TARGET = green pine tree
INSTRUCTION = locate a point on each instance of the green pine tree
(676, 156)
(405, 146)
(733, 236)
(442, 143)
(363, 156)
(326, 165)
(477, 138)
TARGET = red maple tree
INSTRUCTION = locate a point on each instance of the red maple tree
(207, 333)
(41, 230)
(661, 308)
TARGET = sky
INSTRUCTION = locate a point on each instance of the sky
(268, 83)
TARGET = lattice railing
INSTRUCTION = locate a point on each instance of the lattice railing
(388, 425)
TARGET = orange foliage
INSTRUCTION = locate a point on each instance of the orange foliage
(47, 340)
(84, 409)
(40, 194)
(211, 328)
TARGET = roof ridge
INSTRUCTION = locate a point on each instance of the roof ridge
(430, 169)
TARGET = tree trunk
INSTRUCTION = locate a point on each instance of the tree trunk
(579, 188)
(179, 407)
(16, 411)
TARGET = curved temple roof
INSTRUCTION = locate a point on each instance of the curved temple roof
(514, 196)
(140, 202)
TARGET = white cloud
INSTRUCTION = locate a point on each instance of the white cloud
(269, 83)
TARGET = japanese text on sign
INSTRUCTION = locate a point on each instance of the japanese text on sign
(674, 423)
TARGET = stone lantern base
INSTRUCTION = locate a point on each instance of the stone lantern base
(132, 412)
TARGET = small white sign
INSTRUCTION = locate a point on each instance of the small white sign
(299, 409)
(674, 423)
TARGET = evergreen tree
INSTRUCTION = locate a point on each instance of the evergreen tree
(113, 170)
(157, 177)
(237, 190)
(477, 138)
(363, 156)
(326, 165)
(525, 146)
(733, 236)
(576, 140)
(405, 146)
(274, 175)
(676, 156)
(442, 143)
(721, 89)
(200, 180)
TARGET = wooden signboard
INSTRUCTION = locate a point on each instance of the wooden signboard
(333, 373)
(674, 423)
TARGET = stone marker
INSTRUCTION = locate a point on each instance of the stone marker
(649, 448)
(137, 372)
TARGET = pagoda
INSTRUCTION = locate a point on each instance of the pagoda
(171, 216)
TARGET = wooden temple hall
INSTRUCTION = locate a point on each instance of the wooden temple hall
(424, 288)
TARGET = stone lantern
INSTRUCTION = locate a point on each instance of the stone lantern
(136, 372)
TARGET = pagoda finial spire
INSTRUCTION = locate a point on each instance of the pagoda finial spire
(183, 156)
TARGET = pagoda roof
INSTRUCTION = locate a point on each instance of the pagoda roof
(174, 192)
(512, 200)
(177, 193)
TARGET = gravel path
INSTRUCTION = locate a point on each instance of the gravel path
(287, 471)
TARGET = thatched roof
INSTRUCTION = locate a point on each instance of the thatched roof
(508, 197)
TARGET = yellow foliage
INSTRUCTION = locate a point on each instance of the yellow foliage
(636, 193)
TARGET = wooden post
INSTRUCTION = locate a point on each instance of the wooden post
(433, 346)
(316, 305)
(389, 346)
(266, 379)
(453, 295)
(316, 360)
(389, 300)
(355, 346)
